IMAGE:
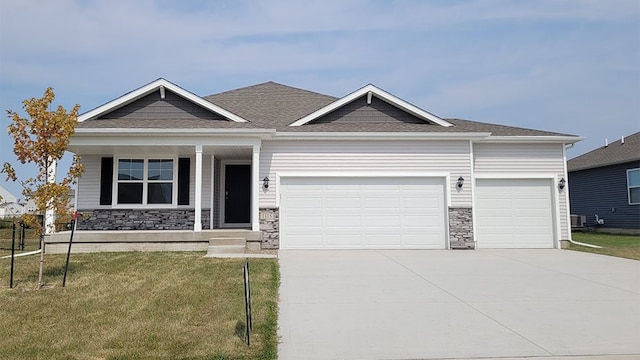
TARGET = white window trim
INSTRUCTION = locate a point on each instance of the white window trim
(145, 182)
(629, 187)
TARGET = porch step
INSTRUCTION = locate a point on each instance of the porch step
(219, 241)
(224, 246)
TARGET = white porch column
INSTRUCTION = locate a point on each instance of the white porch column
(197, 226)
(255, 186)
(212, 197)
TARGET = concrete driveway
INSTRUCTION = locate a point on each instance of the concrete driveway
(401, 304)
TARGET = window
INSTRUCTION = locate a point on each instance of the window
(633, 186)
(145, 181)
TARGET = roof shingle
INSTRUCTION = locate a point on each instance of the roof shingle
(615, 153)
(275, 106)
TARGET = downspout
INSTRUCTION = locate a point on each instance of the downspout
(564, 153)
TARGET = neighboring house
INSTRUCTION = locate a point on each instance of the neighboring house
(604, 185)
(302, 170)
(9, 205)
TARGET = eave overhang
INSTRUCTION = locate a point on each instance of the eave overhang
(379, 136)
(559, 139)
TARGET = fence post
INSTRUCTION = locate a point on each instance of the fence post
(22, 235)
(247, 299)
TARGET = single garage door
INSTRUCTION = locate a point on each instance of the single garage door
(362, 212)
(514, 213)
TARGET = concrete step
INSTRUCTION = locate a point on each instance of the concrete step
(223, 240)
(225, 249)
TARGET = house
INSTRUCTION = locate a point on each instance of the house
(9, 205)
(295, 169)
(604, 186)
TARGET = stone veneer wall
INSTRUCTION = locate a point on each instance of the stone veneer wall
(461, 228)
(270, 227)
(140, 219)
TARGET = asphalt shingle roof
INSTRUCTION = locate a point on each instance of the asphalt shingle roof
(615, 153)
(275, 106)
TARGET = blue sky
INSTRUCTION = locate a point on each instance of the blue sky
(570, 66)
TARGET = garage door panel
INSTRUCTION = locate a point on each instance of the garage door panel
(514, 213)
(364, 212)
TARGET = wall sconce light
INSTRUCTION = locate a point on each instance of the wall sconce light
(265, 182)
(562, 183)
(460, 182)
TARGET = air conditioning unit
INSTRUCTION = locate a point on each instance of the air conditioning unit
(578, 221)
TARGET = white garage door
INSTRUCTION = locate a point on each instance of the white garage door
(359, 212)
(514, 213)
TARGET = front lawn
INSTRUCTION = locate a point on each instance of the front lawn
(626, 246)
(164, 305)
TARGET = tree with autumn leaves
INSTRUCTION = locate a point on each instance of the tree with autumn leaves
(42, 140)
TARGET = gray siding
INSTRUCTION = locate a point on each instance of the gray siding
(603, 191)
(378, 111)
(172, 107)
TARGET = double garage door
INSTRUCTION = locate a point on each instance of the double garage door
(362, 212)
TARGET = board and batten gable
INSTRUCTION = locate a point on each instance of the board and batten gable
(505, 160)
(89, 184)
(153, 106)
(381, 158)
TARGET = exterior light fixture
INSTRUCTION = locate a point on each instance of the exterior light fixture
(460, 182)
(265, 182)
(562, 183)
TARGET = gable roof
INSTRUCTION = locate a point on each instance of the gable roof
(158, 85)
(272, 107)
(617, 152)
(371, 91)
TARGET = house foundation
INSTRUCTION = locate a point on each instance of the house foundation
(140, 219)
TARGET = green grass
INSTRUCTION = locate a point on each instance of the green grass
(31, 240)
(625, 246)
(138, 306)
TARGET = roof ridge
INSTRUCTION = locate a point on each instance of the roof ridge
(270, 82)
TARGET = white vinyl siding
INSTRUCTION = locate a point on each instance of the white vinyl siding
(384, 158)
(524, 160)
(89, 183)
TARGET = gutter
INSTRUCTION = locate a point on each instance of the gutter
(586, 245)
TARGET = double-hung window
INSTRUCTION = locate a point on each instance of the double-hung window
(145, 181)
(633, 186)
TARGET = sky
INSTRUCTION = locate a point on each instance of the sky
(568, 66)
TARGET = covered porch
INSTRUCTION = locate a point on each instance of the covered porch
(139, 181)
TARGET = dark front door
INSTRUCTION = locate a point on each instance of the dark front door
(237, 194)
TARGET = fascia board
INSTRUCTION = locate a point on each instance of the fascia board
(379, 93)
(168, 132)
(533, 139)
(151, 87)
(378, 136)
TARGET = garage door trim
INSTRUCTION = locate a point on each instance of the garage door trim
(554, 194)
(441, 178)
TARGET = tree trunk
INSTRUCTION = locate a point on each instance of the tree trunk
(40, 272)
